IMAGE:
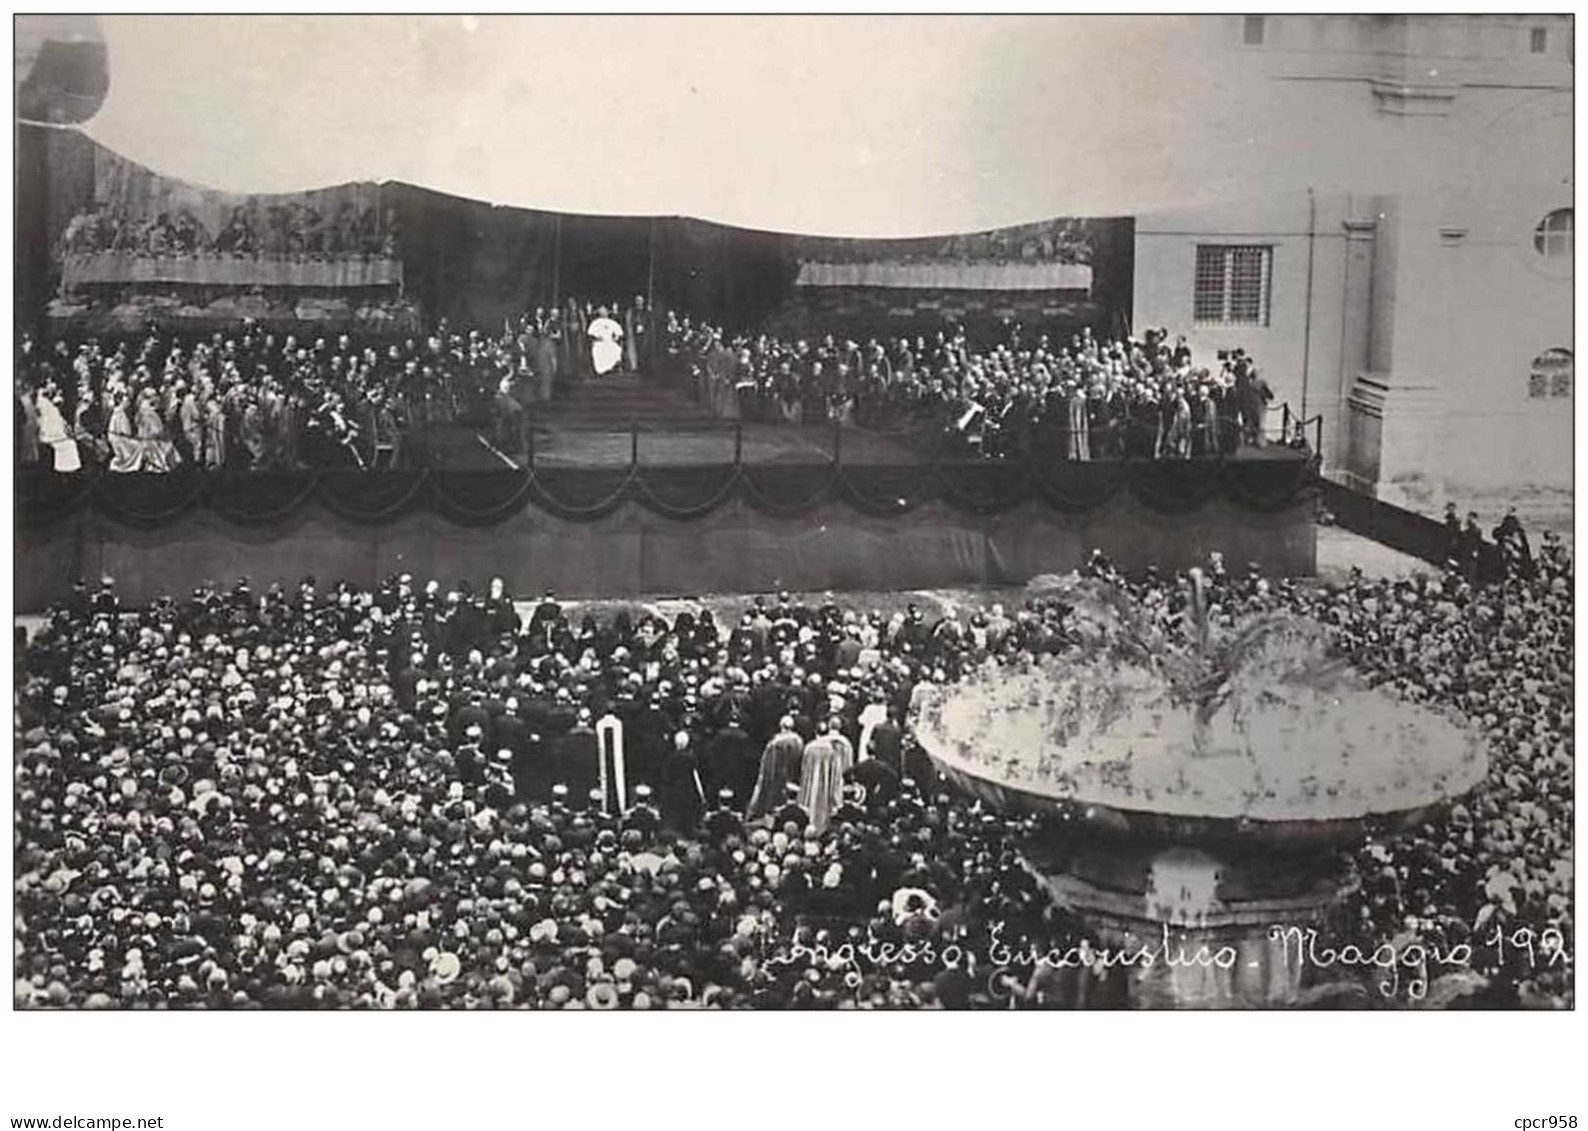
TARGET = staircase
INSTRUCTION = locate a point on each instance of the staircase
(612, 404)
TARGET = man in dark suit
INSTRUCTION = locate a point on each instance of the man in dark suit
(508, 730)
(546, 614)
(791, 812)
(1252, 395)
(1452, 533)
(730, 763)
(471, 715)
(879, 780)
(531, 779)
(724, 821)
(1516, 553)
(1470, 548)
(575, 760)
(887, 741)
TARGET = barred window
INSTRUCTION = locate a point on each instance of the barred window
(1551, 375)
(1538, 42)
(1553, 236)
(1232, 284)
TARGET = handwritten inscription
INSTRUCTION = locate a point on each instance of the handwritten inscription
(1400, 967)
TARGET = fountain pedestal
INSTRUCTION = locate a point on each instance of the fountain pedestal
(1197, 928)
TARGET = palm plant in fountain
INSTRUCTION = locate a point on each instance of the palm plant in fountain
(1206, 660)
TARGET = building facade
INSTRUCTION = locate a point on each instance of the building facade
(1406, 270)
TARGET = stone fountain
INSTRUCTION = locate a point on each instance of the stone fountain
(1198, 789)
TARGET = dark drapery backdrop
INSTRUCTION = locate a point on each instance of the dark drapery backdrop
(54, 182)
(682, 494)
(631, 550)
(475, 263)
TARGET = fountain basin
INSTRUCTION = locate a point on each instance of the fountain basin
(1170, 835)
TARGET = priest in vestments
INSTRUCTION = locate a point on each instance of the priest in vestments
(54, 435)
(780, 768)
(828, 757)
(576, 333)
(636, 334)
(543, 360)
(125, 455)
(606, 350)
(1078, 431)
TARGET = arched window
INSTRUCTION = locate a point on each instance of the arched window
(1551, 374)
(1552, 237)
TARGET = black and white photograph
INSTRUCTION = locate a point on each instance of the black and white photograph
(790, 514)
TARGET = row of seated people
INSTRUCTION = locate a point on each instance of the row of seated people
(338, 797)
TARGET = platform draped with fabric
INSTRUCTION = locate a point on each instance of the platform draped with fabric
(617, 531)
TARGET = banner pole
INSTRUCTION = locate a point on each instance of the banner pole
(650, 273)
(556, 262)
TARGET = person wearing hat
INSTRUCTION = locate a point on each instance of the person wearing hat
(724, 821)
(545, 614)
(642, 816)
(791, 812)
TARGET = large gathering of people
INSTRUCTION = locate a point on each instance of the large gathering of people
(254, 398)
(1026, 395)
(260, 400)
(324, 796)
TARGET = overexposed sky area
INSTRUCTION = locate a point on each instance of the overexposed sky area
(832, 125)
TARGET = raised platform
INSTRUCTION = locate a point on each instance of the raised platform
(618, 531)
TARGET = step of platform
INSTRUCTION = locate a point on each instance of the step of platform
(616, 402)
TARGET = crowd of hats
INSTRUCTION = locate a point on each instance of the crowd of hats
(307, 798)
(1496, 873)
(1081, 398)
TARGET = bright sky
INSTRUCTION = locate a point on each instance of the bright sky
(830, 125)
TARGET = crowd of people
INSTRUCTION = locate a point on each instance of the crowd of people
(289, 230)
(264, 401)
(258, 400)
(1081, 399)
(395, 798)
